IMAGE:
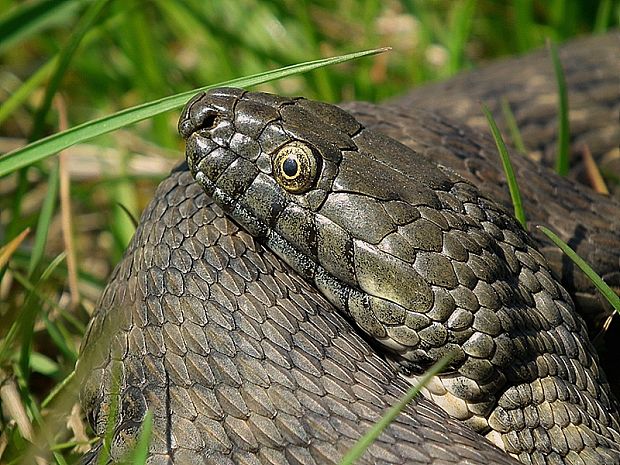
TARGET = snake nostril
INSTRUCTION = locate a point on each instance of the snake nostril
(209, 121)
(196, 120)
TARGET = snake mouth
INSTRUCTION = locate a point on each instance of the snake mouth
(192, 117)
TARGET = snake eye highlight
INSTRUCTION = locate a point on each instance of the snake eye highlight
(295, 167)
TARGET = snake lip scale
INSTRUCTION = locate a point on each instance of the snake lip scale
(416, 257)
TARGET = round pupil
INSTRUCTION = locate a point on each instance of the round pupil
(290, 166)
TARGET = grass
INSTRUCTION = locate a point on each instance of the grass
(601, 285)
(360, 447)
(515, 194)
(562, 157)
(99, 58)
(43, 148)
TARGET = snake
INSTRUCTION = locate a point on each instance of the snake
(309, 262)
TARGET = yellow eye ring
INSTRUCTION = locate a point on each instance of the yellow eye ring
(295, 167)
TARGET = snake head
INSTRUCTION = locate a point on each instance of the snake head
(262, 146)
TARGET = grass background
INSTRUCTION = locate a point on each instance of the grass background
(65, 62)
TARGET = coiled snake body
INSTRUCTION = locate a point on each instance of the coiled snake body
(241, 361)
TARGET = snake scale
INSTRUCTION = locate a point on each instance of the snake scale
(399, 260)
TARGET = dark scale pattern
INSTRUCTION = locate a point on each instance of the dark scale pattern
(581, 218)
(587, 221)
(556, 394)
(401, 292)
(238, 359)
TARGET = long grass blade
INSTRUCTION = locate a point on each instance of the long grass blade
(140, 453)
(513, 128)
(19, 96)
(366, 441)
(601, 285)
(562, 162)
(60, 337)
(57, 389)
(141, 45)
(603, 14)
(45, 219)
(461, 21)
(29, 18)
(526, 24)
(43, 148)
(513, 186)
(28, 312)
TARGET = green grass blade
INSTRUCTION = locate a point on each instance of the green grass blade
(6, 344)
(45, 219)
(141, 451)
(47, 272)
(32, 306)
(123, 195)
(562, 161)
(513, 187)
(40, 363)
(371, 435)
(133, 219)
(56, 390)
(601, 285)
(61, 338)
(59, 458)
(525, 24)
(142, 47)
(323, 83)
(513, 128)
(64, 58)
(603, 15)
(48, 146)
(462, 16)
(18, 97)
(16, 201)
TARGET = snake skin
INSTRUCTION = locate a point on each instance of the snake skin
(418, 259)
(592, 71)
(587, 221)
(241, 362)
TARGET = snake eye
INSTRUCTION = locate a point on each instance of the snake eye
(295, 167)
